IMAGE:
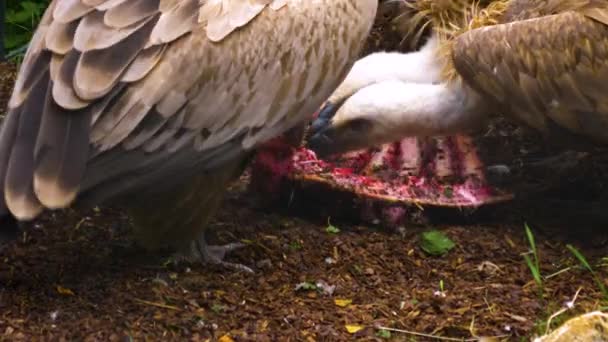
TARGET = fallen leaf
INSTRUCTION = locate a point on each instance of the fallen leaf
(353, 328)
(264, 326)
(306, 286)
(226, 338)
(343, 302)
(461, 311)
(325, 287)
(64, 291)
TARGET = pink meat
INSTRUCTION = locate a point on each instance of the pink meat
(440, 171)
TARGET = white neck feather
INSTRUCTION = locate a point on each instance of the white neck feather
(416, 67)
(398, 109)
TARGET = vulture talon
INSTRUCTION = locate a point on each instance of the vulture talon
(210, 254)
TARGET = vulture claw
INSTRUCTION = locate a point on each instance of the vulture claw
(215, 254)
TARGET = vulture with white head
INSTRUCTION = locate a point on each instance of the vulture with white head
(157, 105)
(543, 63)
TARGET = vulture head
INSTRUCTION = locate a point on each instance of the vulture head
(348, 122)
(388, 96)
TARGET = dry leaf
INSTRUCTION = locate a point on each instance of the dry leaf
(226, 338)
(343, 302)
(263, 326)
(461, 311)
(353, 328)
(64, 291)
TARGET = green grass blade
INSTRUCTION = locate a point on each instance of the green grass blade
(530, 237)
(581, 258)
(532, 245)
(534, 270)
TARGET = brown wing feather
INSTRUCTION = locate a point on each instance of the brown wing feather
(89, 59)
(61, 153)
(7, 140)
(98, 71)
(545, 71)
(130, 12)
(19, 188)
(60, 37)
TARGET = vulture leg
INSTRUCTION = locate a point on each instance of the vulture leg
(182, 211)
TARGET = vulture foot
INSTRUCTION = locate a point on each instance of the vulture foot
(215, 254)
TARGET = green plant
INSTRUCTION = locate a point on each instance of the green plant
(21, 20)
(218, 308)
(441, 291)
(581, 258)
(307, 286)
(331, 229)
(295, 245)
(534, 266)
(382, 333)
(436, 243)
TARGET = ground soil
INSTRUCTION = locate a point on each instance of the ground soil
(77, 276)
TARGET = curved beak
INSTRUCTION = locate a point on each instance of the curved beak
(321, 131)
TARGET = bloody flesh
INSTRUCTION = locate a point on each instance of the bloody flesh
(435, 171)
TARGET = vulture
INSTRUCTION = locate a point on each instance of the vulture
(156, 105)
(542, 63)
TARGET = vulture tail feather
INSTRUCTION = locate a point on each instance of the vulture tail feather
(18, 184)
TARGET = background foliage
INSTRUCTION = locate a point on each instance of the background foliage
(22, 17)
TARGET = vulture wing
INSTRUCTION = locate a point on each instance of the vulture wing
(118, 95)
(548, 71)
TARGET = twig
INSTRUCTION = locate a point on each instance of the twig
(158, 305)
(569, 305)
(442, 338)
(559, 272)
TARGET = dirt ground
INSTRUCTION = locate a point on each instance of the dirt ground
(77, 276)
